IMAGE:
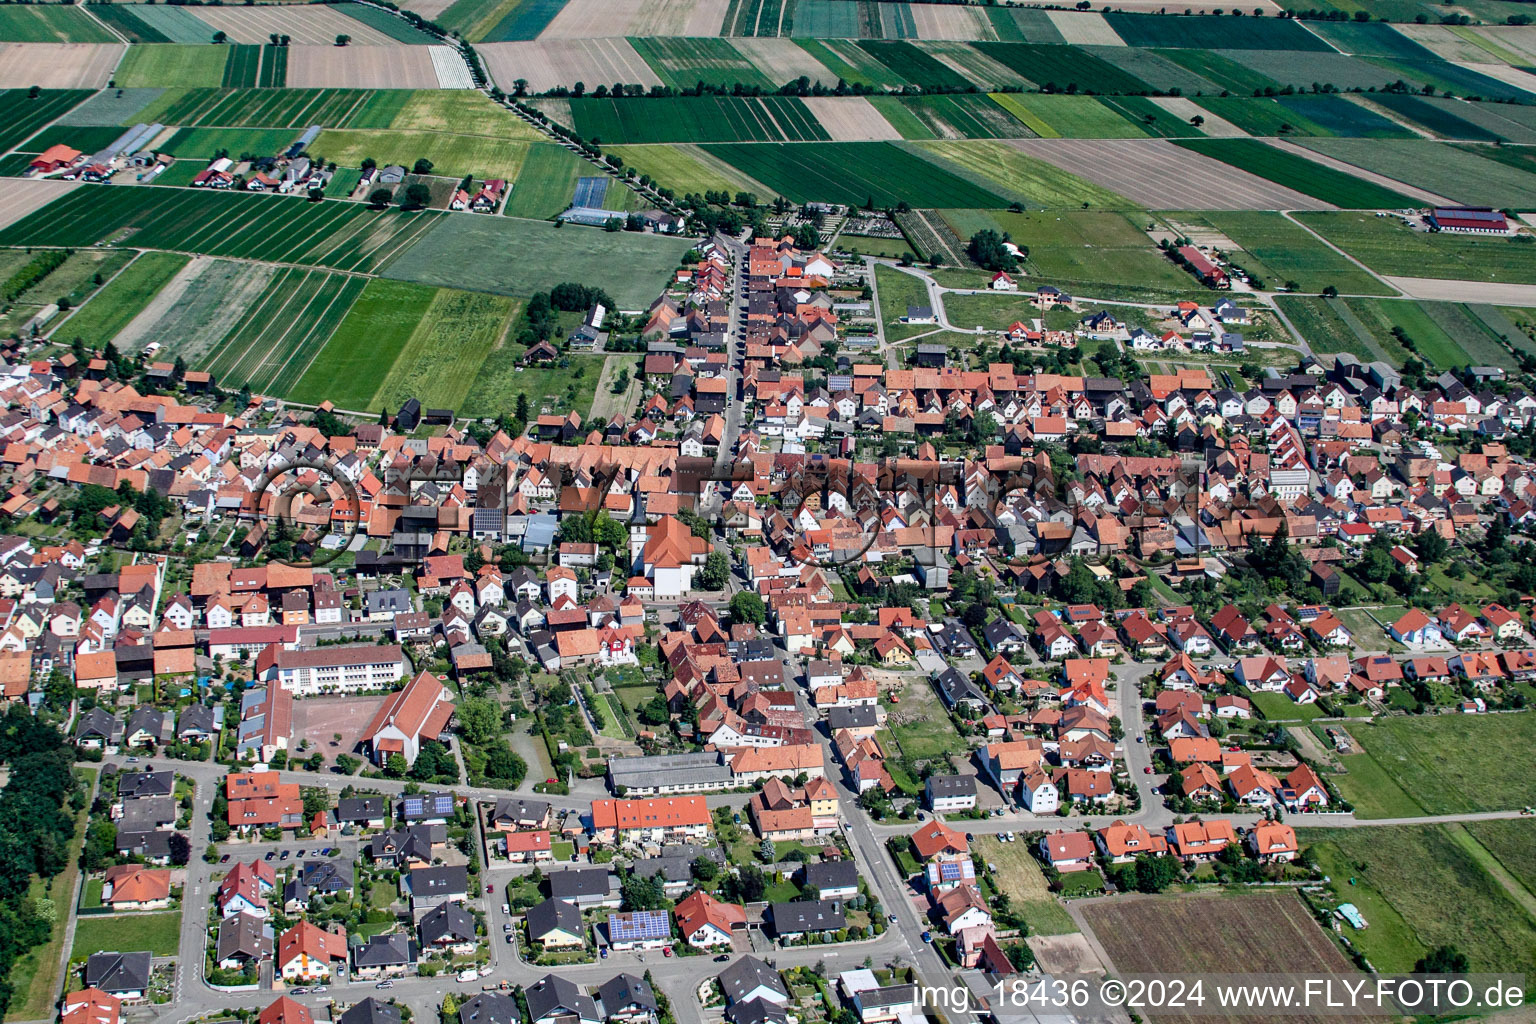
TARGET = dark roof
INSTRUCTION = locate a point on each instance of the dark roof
(546, 917)
(371, 1011)
(807, 916)
(625, 990)
(553, 996)
(446, 921)
(574, 882)
(431, 883)
(739, 979)
(118, 972)
(134, 785)
(356, 809)
(384, 951)
(832, 874)
(244, 934)
(489, 1008)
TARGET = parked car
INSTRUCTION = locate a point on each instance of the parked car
(723, 958)
(224, 859)
(385, 984)
(1147, 770)
(603, 952)
(927, 936)
(666, 950)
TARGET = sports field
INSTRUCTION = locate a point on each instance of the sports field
(22, 114)
(854, 172)
(1388, 246)
(1299, 173)
(172, 65)
(1422, 886)
(696, 119)
(49, 23)
(628, 265)
(346, 236)
(123, 298)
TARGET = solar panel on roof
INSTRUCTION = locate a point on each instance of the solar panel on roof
(639, 926)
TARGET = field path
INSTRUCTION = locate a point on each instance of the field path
(1360, 172)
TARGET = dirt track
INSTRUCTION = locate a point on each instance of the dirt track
(1161, 176)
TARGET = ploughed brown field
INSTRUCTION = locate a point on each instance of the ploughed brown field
(1205, 934)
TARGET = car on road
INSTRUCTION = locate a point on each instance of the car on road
(927, 936)
(1147, 770)
(300, 853)
(133, 760)
(385, 984)
(300, 991)
(489, 889)
(890, 918)
(551, 781)
(284, 856)
(270, 855)
(666, 950)
(723, 958)
(509, 938)
(507, 927)
(970, 838)
(1141, 739)
(224, 859)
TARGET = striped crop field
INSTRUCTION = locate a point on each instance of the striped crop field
(854, 172)
(240, 72)
(280, 333)
(342, 235)
(697, 119)
(22, 114)
(279, 108)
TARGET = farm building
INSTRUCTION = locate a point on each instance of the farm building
(54, 158)
(1469, 220)
(1201, 266)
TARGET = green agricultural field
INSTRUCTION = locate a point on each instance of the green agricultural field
(1063, 67)
(910, 64)
(118, 107)
(683, 63)
(964, 116)
(85, 138)
(547, 182)
(1323, 328)
(1155, 68)
(453, 156)
(22, 114)
(136, 29)
(1370, 39)
(1299, 173)
(157, 933)
(1212, 33)
(1512, 843)
(124, 297)
(1259, 116)
(1301, 69)
(50, 23)
(459, 111)
(1150, 117)
(1448, 334)
(901, 117)
(519, 20)
(1035, 183)
(814, 19)
(631, 267)
(1282, 251)
(1419, 887)
(442, 361)
(274, 67)
(381, 20)
(1388, 246)
(1449, 78)
(685, 169)
(845, 59)
(1503, 119)
(345, 236)
(1070, 117)
(172, 65)
(1491, 767)
(1434, 346)
(1440, 167)
(202, 143)
(696, 119)
(242, 68)
(895, 292)
(273, 343)
(1225, 72)
(276, 108)
(854, 172)
(1343, 116)
(353, 364)
(1436, 119)
(973, 64)
(72, 281)
(1080, 248)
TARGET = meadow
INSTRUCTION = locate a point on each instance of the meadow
(354, 362)
(1512, 843)
(696, 119)
(1491, 770)
(895, 292)
(547, 182)
(157, 933)
(484, 156)
(346, 236)
(1068, 68)
(172, 65)
(49, 23)
(1323, 328)
(855, 173)
(444, 356)
(1280, 250)
(1299, 173)
(272, 344)
(1422, 886)
(1439, 167)
(21, 115)
(123, 298)
(628, 265)
(1388, 246)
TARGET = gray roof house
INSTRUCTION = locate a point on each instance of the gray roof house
(446, 924)
(433, 885)
(556, 1000)
(242, 938)
(371, 1011)
(751, 978)
(585, 887)
(553, 917)
(125, 975)
(801, 916)
(627, 999)
(834, 878)
(133, 785)
(489, 1008)
(384, 954)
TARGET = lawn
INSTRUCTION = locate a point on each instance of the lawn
(1299, 173)
(157, 933)
(172, 65)
(1371, 790)
(484, 156)
(1281, 251)
(1037, 184)
(696, 119)
(1418, 887)
(630, 266)
(920, 726)
(22, 114)
(855, 173)
(50, 23)
(114, 306)
(896, 291)
(347, 236)
(1457, 763)
(1388, 246)
(1018, 874)
(1277, 707)
(1440, 167)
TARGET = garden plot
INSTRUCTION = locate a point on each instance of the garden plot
(58, 65)
(548, 63)
(1213, 125)
(309, 23)
(596, 19)
(850, 119)
(951, 21)
(1085, 28)
(362, 67)
(782, 60)
(1160, 176)
(19, 197)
